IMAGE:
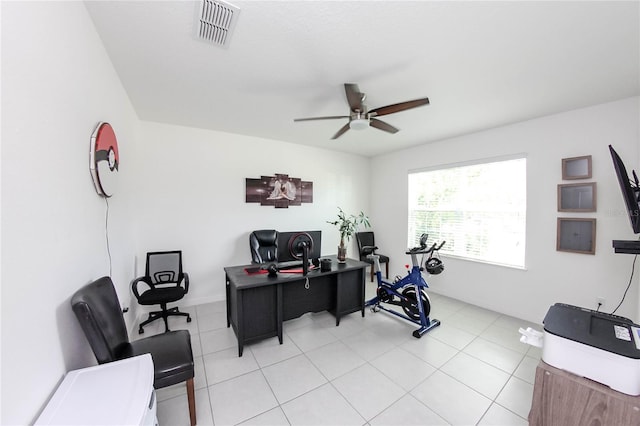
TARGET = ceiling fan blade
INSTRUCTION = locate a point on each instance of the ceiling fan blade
(379, 124)
(402, 106)
(341, 131)
(354, 96)
(333, 117)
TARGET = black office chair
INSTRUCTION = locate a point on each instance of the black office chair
(166, 283)
(97, 308)
(264, 246)
(367, 246)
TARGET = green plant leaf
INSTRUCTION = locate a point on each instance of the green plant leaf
(347, 225)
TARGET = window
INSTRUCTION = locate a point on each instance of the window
(478, 209)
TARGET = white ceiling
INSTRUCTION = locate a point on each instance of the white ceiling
(482, 64)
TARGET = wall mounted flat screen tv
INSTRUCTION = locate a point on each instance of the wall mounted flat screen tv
(630, 190)
(290, 245)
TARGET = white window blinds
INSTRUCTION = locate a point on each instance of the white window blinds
(479, 209)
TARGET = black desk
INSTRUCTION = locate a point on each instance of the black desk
(257, 304)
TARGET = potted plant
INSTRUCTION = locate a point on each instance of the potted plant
(347, 225)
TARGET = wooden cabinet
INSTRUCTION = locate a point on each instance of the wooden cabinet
(562, 398)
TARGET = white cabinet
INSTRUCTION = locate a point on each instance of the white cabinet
(116, 393)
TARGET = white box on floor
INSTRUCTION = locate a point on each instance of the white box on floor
(116, 393)
(601, 347)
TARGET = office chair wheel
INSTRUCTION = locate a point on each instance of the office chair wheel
(410, 306)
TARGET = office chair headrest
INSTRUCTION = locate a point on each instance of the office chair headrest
(266, 236)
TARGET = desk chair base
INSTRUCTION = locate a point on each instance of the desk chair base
(164, 314)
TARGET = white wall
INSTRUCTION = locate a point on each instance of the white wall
(550, 276)
(184, 188)
(190, 195)
(57, 84)
(178, 188)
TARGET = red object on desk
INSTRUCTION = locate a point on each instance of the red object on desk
(258, 270)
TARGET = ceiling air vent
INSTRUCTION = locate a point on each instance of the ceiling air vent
(216, 21)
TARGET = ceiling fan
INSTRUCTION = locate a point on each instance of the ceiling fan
(361, 118)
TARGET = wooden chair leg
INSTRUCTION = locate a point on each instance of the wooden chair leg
(191, 397)
(387, 270)
(371, 273)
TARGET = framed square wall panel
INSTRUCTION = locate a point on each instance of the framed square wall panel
(576, 168)
(576, 235)
(577, 197)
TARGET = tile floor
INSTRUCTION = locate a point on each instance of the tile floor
(368, 371)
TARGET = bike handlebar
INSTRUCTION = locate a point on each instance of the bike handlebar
(421, 249)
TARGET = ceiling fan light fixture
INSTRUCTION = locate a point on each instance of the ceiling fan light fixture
(359, 123)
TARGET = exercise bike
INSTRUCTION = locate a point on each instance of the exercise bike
(403, 291)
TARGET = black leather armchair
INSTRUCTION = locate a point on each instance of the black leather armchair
(366, 246)
(97, 308)
(264, 246)
(165, 282)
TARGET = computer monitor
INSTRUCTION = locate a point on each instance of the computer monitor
(630, 190)
(290, 245)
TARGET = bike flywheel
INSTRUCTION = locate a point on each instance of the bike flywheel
(410, 306)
